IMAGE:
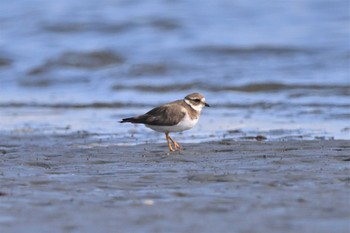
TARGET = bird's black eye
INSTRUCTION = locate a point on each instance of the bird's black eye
(197, 100)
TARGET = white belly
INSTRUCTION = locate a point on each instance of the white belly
(186, 124)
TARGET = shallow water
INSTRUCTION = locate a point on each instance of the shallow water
(280, 69)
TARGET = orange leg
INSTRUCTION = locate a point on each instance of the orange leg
(176, 145)
(169, 144)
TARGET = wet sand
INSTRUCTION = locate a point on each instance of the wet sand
(82, 183)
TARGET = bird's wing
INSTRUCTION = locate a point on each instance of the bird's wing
(165, 115)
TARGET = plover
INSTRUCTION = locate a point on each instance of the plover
(176, 116)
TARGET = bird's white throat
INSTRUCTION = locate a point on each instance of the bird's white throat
(195, 107)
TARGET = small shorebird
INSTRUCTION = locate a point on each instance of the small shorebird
(176, 116)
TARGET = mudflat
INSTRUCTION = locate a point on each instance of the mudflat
(83, 183)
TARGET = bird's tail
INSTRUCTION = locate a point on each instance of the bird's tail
(130, 119)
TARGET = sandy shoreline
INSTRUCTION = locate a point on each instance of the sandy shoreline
(73, 183)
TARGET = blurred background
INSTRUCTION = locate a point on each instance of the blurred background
(274, 68)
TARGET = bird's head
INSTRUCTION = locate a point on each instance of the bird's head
(196, 101)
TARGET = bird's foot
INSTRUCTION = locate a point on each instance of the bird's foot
(171, 148)
(177, 145)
